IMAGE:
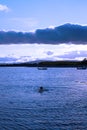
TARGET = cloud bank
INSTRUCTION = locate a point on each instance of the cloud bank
(34, 52)
(74, 55)
(66, 33)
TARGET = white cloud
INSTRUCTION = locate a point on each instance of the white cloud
(31, 52)
(4, 8)
(51, 27)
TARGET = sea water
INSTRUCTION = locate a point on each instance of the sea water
(62, 107)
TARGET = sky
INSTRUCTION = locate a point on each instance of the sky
(35, 16)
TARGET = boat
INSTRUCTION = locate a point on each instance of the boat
(42, 68)
(81, 68)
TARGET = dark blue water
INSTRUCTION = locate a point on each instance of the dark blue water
(62, 107)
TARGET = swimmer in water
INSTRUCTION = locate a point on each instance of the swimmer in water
(41, 89)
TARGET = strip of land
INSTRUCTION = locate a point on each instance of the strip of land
(47, 64)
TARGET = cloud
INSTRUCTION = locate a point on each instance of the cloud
(33, 52)
(74, 55)
(4, 8)
(63, 34)
(51, 26)
(7, 60)
(67, 33)
(49, 53)
(10, 59)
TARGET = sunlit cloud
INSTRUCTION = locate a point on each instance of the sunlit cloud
(51, 26)
(33, 52)
(4, 8)
(74, 55)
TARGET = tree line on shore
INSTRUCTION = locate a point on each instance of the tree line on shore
(47, 64)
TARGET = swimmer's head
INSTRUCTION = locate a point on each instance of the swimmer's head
(41, 87)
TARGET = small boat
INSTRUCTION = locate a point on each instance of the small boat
(81, 68)
(42, 68)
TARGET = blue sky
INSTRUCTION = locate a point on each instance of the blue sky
(29, 15)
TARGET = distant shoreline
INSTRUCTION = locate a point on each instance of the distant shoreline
(47, 64)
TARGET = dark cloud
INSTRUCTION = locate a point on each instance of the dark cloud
(66, 33)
